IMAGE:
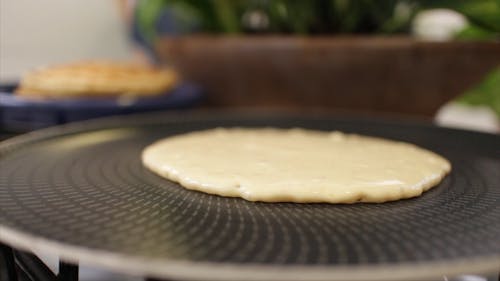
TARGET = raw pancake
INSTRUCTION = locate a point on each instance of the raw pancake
(296, 165)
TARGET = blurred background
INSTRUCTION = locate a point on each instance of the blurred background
(427, 59)
(431, 60)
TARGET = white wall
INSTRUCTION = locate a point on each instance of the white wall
(35, 33)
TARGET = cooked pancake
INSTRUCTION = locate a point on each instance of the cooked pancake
(278, 165)
(96, 79)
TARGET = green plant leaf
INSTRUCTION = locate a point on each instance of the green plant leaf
(487, 93)
(474, 32)
(147, 13)
(227, 14)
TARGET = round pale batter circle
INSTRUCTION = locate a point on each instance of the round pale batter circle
(295, 165)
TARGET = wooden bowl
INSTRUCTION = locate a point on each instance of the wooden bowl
(373, 74)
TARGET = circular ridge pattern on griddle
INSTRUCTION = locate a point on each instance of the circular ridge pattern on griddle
(98, 195)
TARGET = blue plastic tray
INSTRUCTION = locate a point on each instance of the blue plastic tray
(22, 114)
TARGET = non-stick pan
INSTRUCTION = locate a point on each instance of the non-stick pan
(81, 192)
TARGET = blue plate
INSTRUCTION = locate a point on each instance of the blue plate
(20, 114)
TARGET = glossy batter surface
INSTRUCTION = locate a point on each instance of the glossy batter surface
(295, 165)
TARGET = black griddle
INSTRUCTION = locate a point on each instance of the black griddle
(81, 192)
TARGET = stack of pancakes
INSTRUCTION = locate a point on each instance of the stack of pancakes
(96, 79)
